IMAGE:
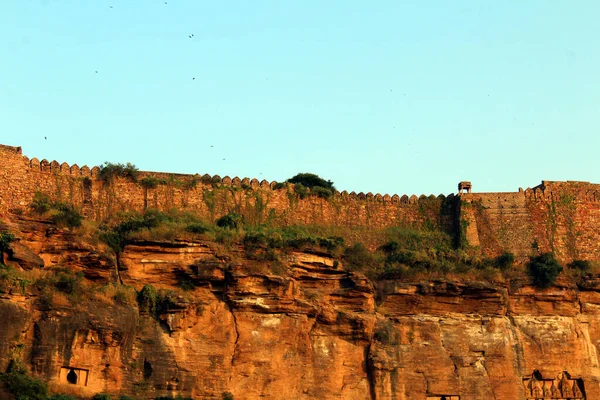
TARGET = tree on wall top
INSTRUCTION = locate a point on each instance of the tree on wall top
(311, 181)
(318, 186)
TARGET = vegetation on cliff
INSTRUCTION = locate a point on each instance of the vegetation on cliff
(544, 269)
(62, 214)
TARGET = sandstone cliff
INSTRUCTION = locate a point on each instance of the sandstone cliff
(304, 328)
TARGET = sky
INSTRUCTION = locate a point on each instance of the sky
(392, 97)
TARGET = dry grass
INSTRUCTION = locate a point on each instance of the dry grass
(60, 299)
(88, 231)
(115, 294)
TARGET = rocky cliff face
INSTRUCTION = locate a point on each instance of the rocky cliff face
(300, 328)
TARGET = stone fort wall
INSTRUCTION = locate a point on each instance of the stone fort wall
(211, 196)
(563, 217)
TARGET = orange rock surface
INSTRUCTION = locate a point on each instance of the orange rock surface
(311, 331)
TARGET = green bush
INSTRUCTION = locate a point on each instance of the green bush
(411, 250)
(62, 397)
(186, 285)
(148, 299)
(62, 214)
(151, 182)
(581, 265)
(66, 215)
(230, 221)
(321, 192)
(110, 171)
(331, 242)
(301, 190)
(227, 396)
(318, 186)
(116, 237)
(191, 184)
(544, 269)
(389, 247)
(197, 228)
(311, 181)
(505, 260)
(12, 279)
(5, 240)
(357, 257)
(255, 240)
(41, 203)
(68, 282)
(21, 385)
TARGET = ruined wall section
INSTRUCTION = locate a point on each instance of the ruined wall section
(211, 196)
(561, 217)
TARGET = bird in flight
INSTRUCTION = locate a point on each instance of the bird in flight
(194, 78)
(191, 36)
(45, 138)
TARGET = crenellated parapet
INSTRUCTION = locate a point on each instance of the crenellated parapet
(55, 167)
(211, 195)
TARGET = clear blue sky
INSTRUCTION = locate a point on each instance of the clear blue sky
(384, 96)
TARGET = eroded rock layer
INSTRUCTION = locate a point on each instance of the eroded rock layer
(312, 330)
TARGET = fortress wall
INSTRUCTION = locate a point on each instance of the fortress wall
(562, 217)
(211, 196)
(500, 221)
(567, 218)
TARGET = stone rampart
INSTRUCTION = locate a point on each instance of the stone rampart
(563, 217)
(212, 196)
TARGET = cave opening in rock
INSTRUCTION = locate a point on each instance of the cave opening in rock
(147, 369)
(72, 377)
